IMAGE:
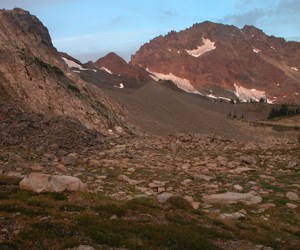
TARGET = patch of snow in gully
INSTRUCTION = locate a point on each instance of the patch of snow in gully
(207, 46)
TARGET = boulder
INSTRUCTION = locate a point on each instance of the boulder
(232, 198)
(70, 159)
(162, 198)
(292, 196)
(232, 216)
(204, 177)
(238, 187)
(38, 182)
(291, 205)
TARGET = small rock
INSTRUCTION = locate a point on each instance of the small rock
(48, 158)
(62, 168)
(267, 177)
(240, 170)
(203, 177)
(195, 204)
(95, 163)
(232, 216)
(131, 170)
(189, 198)
(119, 130)
(114, 217)
(185, 166)
(238, 187)
(186, 182)
(127, 179)
(163, 197)
(222, 160)
(161, 189)
(243, 211)
(156, 184)
(292, 196)
(36, 168)
(70, 159)
(212, 165)
(248, 159)
(291, 205)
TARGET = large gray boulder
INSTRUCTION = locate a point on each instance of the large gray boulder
(232, 198)
(38, 182)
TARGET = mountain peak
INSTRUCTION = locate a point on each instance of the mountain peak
(23, 23)
(110, 58)
(219, 60)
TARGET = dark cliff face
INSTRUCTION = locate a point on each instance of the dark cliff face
(24, 31)
(34, 77)
(215, 57)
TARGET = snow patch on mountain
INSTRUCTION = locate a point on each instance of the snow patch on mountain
(71, 64)
(107, 70)
(294, 68)
(181, 83)
(246, 95)
(255, 50)
(154, 77)
(87, 69)
(211, 96)
(207, 46)
(120, 86)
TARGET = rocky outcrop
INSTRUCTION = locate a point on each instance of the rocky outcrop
(35, 78)
(222, 61)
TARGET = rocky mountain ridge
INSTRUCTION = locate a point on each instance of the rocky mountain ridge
(35, 78)
(225, 62)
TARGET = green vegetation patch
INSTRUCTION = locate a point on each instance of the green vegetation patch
(134, 235)
(20, 208)
(58, 235)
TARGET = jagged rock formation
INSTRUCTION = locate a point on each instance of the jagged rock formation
(226, 62)
(34, 77)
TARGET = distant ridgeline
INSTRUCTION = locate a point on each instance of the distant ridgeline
(284, 110)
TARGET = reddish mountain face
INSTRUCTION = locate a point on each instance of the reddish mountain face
(118, 66)
(223, 62)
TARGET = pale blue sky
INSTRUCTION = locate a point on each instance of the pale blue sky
(90, 29)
